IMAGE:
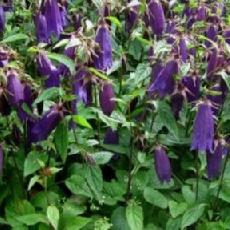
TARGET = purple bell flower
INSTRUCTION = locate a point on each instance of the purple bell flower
(164, 83)
(44, 64)
(2, 19)
(82, 88)
(40, 130)
(77, 21)
(3, 57)
(15, 89)
(217, 96)
(177, 100)
(171, 31)
(183, 50)
(212, 63)
(53, 79)
(41, 28)
(111, 137)
(214, 161)
(203, 129)
(162, 164)
(211, 34)
(192, 85)
(53, 18)
(103, 60)
(156, 17)
(28, 100)
(105, 97)
(131, 17)
(5, 108)
(63, 14)
(202, 13)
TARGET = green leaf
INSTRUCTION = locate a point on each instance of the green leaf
(98, 73)
(188, 195)
(75, 223)
(69, 63)
(114, 20)
(165, 118)
(102, 157)
(32, 219)
(118, 219)
(48, 94)
(156, 198)
(77, 185)
(53, 216)
(61, 139)
(78, 119)
(15, 37)
(177, 209)
(32, 162)
(134, 215)
(174, 224)
(192, 215)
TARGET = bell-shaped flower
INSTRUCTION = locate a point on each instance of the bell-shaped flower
(103, 59)
(156, 17)
(203, 128)
(106, 96)
(162, 164)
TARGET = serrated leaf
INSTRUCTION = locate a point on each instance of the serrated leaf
(134, 215)
(102, 157)
(53, 216)
(177, 209)
(48, 94)
(114, 20)
(14, 38)
(32, 163)
(192, 215)
(61, 139)
(156, 198)
(69, 63)
(78, 119)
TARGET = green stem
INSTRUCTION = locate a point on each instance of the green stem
(197, 175)
(221, 181)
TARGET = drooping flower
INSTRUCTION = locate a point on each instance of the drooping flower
(192, 85)
(212, 63)
(202, 13)
(211, 34)
(3, 57)
(2, 19)
(217, 96)
(170, 31)
(27, 100)
(63, 14)
(164, 83)
(40, 129)
(105, 96)
(53, 18)
(214, 161)
(77, 21)
(203, 128)
(41, 28)
(131, 17)
(156, 17)
(162, 164)
(111, 137)
(183, 49)
(15, 89)
(44, 64)
(177, 100)
(103, 60)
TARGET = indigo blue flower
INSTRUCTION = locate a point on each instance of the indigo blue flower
(105, 96)
(164, 82)
(53, 18)
(131, 17)
(40, 129)
(156, 17)
(103, 60)
(2, 19)
(162, 164)
(111, 137)
(214, 161)
(203, 129)
(192, 85)
(41, 28)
